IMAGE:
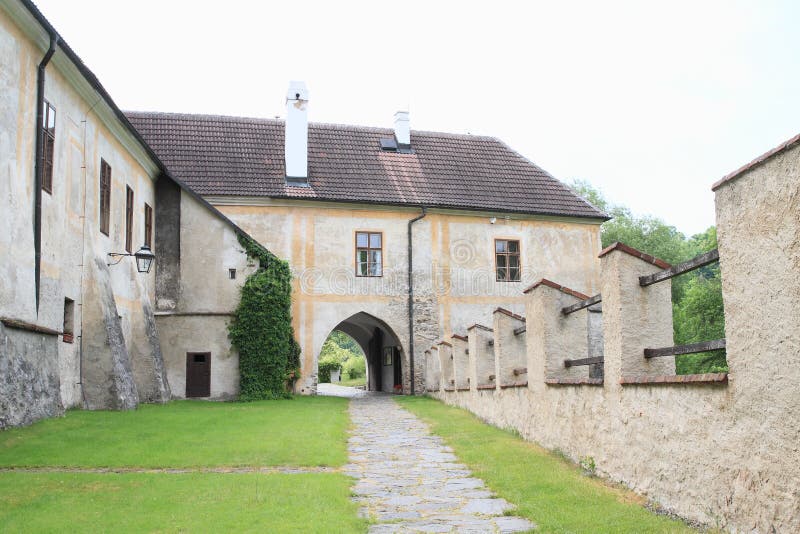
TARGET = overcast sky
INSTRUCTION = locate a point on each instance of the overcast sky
(651, 102)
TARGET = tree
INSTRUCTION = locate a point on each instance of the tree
(340, 351)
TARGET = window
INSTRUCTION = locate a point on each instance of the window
(105, 195)
(369, 254)
(69, 320)
(506, 253)
(48, 145)
(232, 274)
(148, 226)
(128, 219)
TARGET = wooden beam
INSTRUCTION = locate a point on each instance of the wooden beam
(685, 349)
(583, 361)
(520, 330)
(695, 263)
(520, 371)
(29, 327)
(566, 310)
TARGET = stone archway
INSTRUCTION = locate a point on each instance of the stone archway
(382, 349)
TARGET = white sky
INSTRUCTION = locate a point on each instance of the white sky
(650, 101)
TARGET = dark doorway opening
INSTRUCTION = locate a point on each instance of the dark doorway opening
(198, 374)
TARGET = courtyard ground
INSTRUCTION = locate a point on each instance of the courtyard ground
(282, 466)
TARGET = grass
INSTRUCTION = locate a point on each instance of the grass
(546, 489)
(72, 502)
(353, 382)
(303, 431)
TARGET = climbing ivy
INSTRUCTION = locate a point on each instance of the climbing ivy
(261, 329)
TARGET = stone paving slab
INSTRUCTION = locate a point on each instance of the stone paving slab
(407, 480)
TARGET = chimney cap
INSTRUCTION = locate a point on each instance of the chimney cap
(297, 91)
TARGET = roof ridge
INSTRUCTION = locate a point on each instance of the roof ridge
(325, 125)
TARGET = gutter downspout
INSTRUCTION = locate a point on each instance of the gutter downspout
(411, 295)
(37, 165)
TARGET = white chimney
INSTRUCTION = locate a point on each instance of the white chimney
(402, 129)
(296, 142)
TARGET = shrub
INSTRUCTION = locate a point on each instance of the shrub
(261, 329)
(325, 366)
(355, 367)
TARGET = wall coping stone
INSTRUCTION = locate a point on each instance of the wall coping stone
(514, 385)
(574, 381)
(756, 162)
(487, 386)
(713, 378)
(462, 338)
(476, 325)
(563, 289)
(622, 247)
(443, 342)
(510, 314)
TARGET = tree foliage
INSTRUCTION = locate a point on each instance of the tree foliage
(340, 351)
(261, 329)
(696, 296)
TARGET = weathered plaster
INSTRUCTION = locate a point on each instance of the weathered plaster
(454, 276)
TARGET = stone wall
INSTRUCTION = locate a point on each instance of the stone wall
(29, 377)
(721, 449)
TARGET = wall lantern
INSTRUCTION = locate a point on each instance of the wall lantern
(144, 258)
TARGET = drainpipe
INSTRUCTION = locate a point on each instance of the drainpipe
(411, 295)
(37, 165)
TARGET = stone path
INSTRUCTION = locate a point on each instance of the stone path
(335, 390)
(409, 481)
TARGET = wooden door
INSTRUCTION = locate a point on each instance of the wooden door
(198, 374)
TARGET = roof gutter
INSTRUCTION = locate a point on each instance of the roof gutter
(37, 165)
(411, 295)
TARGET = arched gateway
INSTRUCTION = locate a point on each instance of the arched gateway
(382, 349)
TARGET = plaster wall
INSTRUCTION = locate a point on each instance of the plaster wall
(196, 333)
(724, 453)
(454, 272)
(71, 241)
(201, 297)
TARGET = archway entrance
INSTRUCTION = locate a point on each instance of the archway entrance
(342, 362)
(382, 350)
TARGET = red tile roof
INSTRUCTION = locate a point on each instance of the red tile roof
(236, 156)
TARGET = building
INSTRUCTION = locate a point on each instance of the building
(352, 208)
(394, 236)
(81, 190)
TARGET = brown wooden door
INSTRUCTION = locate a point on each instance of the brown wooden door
(198, 374)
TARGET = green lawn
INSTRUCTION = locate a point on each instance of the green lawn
(353, 382)
(303, 431)
(60, 502)
(547, 489)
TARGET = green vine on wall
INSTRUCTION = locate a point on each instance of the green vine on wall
(261, 329)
